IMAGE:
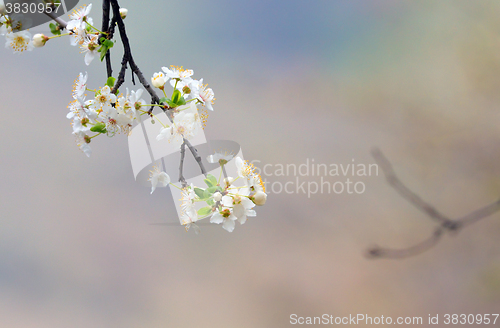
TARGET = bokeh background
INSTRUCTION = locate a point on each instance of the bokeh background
(294, 80)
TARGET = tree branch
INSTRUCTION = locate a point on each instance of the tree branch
(128, 58)
(446, 224)
(105, 28)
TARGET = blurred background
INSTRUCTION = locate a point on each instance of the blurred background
(294, 81)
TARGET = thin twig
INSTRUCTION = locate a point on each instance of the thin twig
(379, 252)
(404, 191)
(181, 176)
(58, 20)
(196, 156)
(480, 214)
(446, 224)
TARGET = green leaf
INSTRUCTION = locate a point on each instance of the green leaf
(102, 50)
(164, 100)
(212, 179)
(171, 103)
(212, 189)
(105, 46)
(206, 194)
(99, 127)
(108, 43)
(199, 192)
(210, 202)
(204, 211)
(208, 182)
(111, 82)
(176, 96)
(181, 101)
(54, 30)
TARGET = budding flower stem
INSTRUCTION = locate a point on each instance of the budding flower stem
(156, 118)
(93, 27)
(58, 36)
(220, 175)
(174, 186)
(223, 170)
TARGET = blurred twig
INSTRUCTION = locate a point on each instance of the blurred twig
(445, 224)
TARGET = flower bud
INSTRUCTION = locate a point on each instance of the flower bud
(186, 90)
(259, 198)
(123, 12)
(39, 40)
(158, 80)
(228, 181)
(217, 196)
(87, 139)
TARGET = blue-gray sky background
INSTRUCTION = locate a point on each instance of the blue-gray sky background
(294, 80)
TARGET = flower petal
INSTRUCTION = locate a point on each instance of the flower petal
(243, 219)
(217, 218)
(228, 225)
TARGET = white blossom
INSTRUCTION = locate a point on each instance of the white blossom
(4, 27)
(90, 47)
(19, 41)
(158, 178)
(237, 200)
(259, 198)
(186, 124)
(103, 100)
(188, 197)
(202, 92)
(123, 12)
(39, 40)
(178, 73)
(158, 80)
(226, 217)
(78, 16)
(80, 86)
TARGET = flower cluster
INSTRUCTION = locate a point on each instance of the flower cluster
(226, 203)
(105, 113)
(108, 112)
(79, 29)
(187, 119)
